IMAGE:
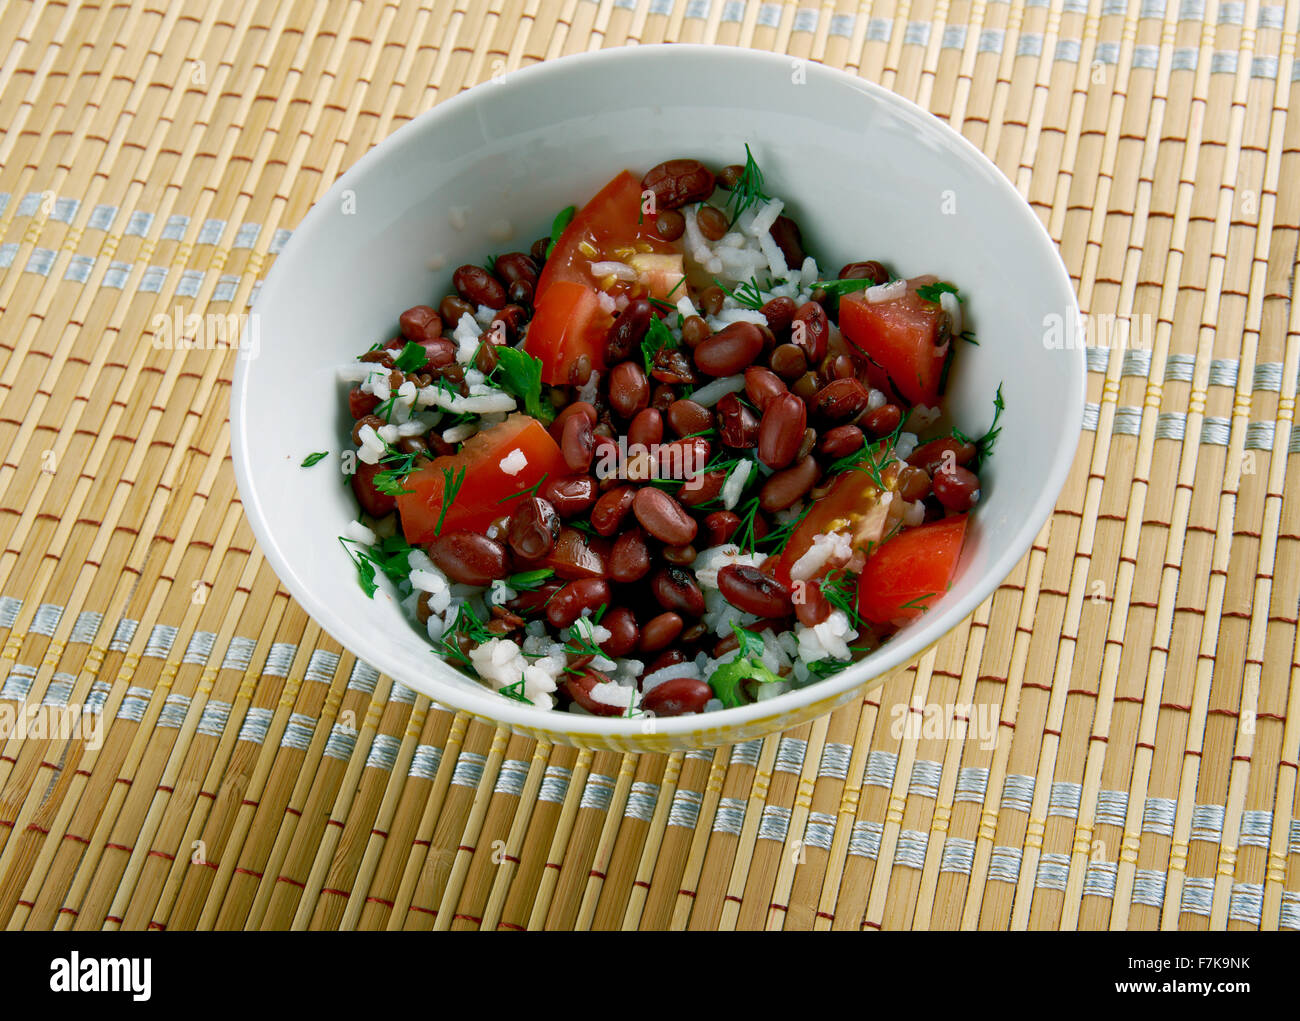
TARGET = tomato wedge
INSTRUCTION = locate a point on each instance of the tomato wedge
(488, 492)
(907, 573)
(611, 220)
(902, 337)
(569, 321)
(850, 496)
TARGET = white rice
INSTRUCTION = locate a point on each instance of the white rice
(514, 462)
(371, 447)
(952, 306)
(735, 484)
(618, 270)
(829, 639)
(358, 532)
(466, 335)
(764, 218)
(459, 433)
(685, 307)
(709, 394)
(885, 292)
(828, 551)
(651, 681)
(501, 662)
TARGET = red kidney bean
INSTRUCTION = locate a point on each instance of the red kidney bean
(684, 458)
(956, 488)
(935, 453)
(627, 331)
(913, 483)
(580, 370)
(420, 322)
(413, 445)
(528, 603)
(729, 176)
(720, 526)
(806, 386)
(452, 308)
(811, 607)
(374, 421)
(781, 430)
(695, 331)
(686, 418)
(670, 224)
(520, 292)
(779, 313)
(623, 632)
(538, 250)
(577, 555)
(678, 182)
(646, 428)
(677, 590)
(667, 658)
(788, 361)
(679, 556)
(511, 318)
(712, 222)
(578, 443)
(469, 558)
(660, 632)
(750, 590)
(567, 605)
(707, 488)
(785, 232)
(570, 495)
(840, 367)
(361, 404)
(842, 441)
(611, 509)
(785, 488)
(579, 688)
(629, 391)
(677, 696)
(662, 398)
(882, 421)
(478, 286)
(737, 425)
(761, 385)
(872, 271)
(629, 560)
(730, 350)
(533, 529)
(671, 365)
(712, 298)
(372, 501)
(582, 408)
(814, 333)
(516, 266)
(663, 517)
(843, 398)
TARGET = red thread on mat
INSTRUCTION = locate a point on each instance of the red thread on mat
(119, 847)
(380, 901)
(240, 870)
(163, 855)
(291, 882)
(468, 918)
(511, 926)
(596, 874)
(337, 893)
(423, 911)
(77, 838)
(686, 893)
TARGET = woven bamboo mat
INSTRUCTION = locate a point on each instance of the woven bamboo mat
(1131, 689)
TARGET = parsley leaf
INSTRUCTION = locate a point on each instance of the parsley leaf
(562, 220)
(984, 445)
(413, 357)
(528, 581)
(931, 292)
(657, 338)
(521, 376)
(312, 459)
(365, 567)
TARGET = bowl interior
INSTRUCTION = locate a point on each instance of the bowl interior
(866, 175)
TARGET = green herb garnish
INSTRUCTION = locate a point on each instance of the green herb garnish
(657, 338)
(452, 481)
(530, 491)
(748, 294)
(312, 459)
(562, 220)
(515, 691)
(984, 445)
(413, 357)
(747, 666)
(839, 288)
(748, 190)
(467, 624)
(580, 645)
(365, 566)
(919, 602)
(528, 581)
(521, 376)
(931, 292)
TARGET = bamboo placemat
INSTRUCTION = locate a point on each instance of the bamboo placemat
(1137, 673)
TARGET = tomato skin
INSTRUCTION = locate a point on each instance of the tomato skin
(906, 574)
(482, 497)
(610, 220)
(849, 495)
(567, 324)
(902, 338)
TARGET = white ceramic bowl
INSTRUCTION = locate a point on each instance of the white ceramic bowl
(866, 175)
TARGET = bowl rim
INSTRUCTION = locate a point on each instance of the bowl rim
(836, 689)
